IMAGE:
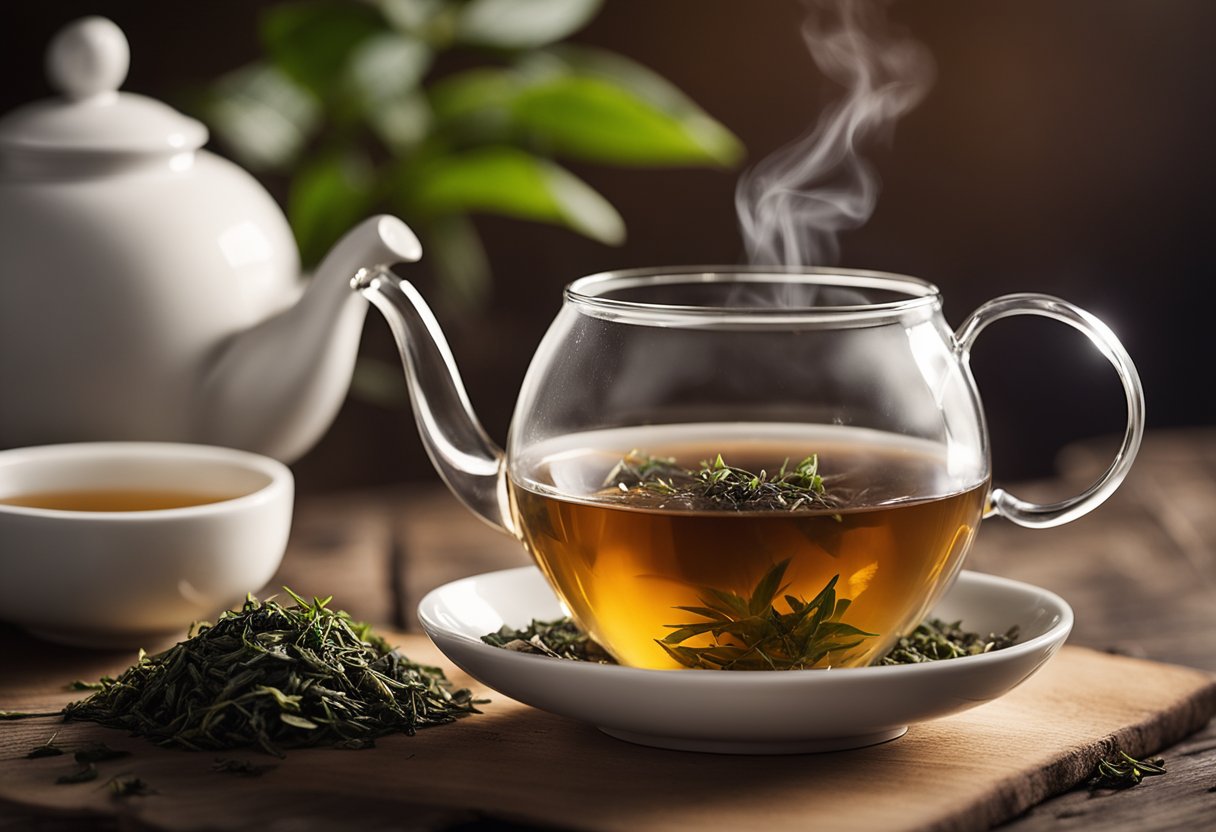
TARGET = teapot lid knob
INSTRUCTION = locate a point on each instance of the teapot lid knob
(87, 62)
(88, 57)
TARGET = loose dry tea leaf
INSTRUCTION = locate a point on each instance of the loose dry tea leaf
(275, 677)
(99, 752)
(241, 768)
(6, 715)
(47, 749)
(83, 775)
(935, 639)
(751, 633)
(723, 486)
(560, 639)
(125, 786)
(1123, 771)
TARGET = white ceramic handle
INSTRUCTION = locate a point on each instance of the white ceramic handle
(1036, 515)
(88, 57)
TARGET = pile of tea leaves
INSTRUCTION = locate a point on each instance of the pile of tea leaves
(719, 485)
(935, 640)
(560, 639)
(275, 677)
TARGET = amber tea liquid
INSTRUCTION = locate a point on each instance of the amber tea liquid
(622, 563)
(113, 499)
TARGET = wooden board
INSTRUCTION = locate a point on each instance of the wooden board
(517, 764)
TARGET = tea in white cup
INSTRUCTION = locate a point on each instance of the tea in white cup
(125, 544)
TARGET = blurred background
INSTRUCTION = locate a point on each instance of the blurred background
(1064, 148)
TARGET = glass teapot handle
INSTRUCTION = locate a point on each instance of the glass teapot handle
(1035, 515)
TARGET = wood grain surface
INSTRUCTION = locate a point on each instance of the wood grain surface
(1140, 573)
(516, 764)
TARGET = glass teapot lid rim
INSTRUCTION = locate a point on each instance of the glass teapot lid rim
(594, 293)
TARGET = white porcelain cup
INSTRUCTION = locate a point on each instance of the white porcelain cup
(126, 579)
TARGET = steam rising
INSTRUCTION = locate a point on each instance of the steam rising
(793, 204)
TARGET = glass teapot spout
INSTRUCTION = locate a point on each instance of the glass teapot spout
(468, 460)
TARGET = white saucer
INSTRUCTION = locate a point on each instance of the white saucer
(745, 712)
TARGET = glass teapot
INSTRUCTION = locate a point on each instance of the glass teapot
(699, 451)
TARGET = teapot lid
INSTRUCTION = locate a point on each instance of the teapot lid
(86, 63)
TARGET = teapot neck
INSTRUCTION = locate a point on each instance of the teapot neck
(470, 463)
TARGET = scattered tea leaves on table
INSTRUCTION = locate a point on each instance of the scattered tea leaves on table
(7, 715)
(276, 677)
(241, 768)
(721, 485)
(935, 640)
(81, 685)
(99, 752)
(750, 633)
(47, 749)
(84, 774)
(1124, 771)
(561, 639)
(127, 786)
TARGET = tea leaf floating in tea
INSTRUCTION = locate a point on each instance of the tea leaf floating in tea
(723, 485)
(752, 634)
(276, 677)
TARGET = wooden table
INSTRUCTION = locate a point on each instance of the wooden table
(1140, 573)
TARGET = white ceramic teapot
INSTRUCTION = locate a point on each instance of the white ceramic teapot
(148, 288)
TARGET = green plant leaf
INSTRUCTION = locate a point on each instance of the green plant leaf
(386, 67)
(522, 24)
(474, 106)
(262, 116)
(647, 85)
(402, 123)
(599, 120)
(413, 16)
(507, 181)
(327, 197)
(473, 91)
(313, 41)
